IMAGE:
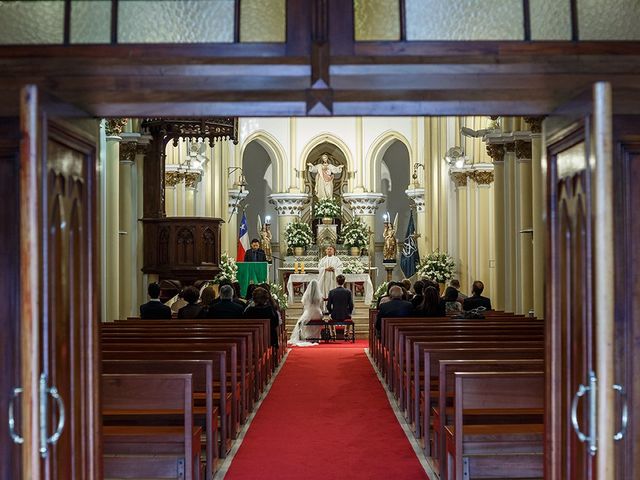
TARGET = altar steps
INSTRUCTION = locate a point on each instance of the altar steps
(360, 317)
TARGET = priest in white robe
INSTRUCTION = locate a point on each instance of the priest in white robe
(329, 267)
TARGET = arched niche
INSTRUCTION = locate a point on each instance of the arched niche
(260, 172)
(275, 151)
(393, 179)
(336, 157)
(378, 150)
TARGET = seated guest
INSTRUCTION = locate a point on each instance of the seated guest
(225, 307)
(154, 309)
(255, 254)
(455, 283)
(179, 303)
(249, 296)
(406, 284)
(476, 299)
(395, 307)
(451, 303)
(432, 305)
(236, 294)
(262, 308)
(386, 298)
(418, 296)
(191, 309)
(207, 296)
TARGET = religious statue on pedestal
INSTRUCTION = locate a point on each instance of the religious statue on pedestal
(326, 173)
(265, 237)
(390, 248)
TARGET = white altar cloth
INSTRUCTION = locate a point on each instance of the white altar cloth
(349, 278)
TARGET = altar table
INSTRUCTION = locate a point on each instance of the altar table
(349, 278)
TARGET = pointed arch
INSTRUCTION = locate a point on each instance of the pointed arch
(327, 137)
(275, 151)
(376, 153)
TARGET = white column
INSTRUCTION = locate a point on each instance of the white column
(496, 152)
(483, 178)
(523, 158)
(460, 178)
(127, 191)
(236, 196)
(417, 195)
(289, 207)
(191, 181)
(365, 206)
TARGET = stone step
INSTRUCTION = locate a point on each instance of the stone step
(360, 318)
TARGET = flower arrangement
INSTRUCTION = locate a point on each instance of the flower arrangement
(277, 292)
(327, 208)
(355, 233)
(353, 266)
(380, 292)
(298, 234)
(228, 269)
(437, 266)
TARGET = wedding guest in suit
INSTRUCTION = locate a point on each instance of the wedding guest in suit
(395, 307)
(225, 307)
(262, 308)
(432, 305)
(255, 254)
(340, 304)
(387, 297)
(451, 303)
(476, 299)
(154, 309)
(455, 283)
(191, 309)
(418, 297)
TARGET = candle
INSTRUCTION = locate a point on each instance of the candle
(295, 267)
(302, 267)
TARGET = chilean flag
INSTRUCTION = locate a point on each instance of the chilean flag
(243, 239)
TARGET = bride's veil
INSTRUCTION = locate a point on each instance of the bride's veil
(312, 295)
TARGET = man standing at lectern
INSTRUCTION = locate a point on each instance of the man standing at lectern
(255, 254)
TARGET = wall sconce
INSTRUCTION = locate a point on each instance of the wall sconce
(267, 220)
(414, 176)
(242, 181)
(455, 157)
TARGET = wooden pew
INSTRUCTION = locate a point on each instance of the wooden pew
(496, 450)
(202, 375)
(442, 415)
(150, 451)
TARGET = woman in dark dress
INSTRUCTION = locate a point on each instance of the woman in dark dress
(432, 305)
(263, 308)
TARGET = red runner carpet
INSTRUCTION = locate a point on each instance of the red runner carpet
(326, 417)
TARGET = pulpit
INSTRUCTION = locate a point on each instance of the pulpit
(182, 248)
(251, 272)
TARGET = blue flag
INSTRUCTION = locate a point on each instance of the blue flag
(410, 256)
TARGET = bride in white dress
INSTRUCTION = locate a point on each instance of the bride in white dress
(312, 303)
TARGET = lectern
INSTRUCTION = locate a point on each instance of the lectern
(251, 272)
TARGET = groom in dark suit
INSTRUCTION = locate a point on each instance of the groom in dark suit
(340, 303)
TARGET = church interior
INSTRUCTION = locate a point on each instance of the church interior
(319, 238)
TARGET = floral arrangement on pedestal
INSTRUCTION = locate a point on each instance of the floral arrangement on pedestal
(353, 266)
(277, 292)
(438, 266)
(327, 208)
(380, 292)
(355, 234)
(298, 234)
(228, 269)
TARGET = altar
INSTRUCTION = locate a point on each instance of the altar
(350, 280)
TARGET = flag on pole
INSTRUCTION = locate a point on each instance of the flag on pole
(410, 257)
(243, 239)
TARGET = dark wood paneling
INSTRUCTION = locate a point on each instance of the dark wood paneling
(9, 282)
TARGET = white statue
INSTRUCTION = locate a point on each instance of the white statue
(324, 178)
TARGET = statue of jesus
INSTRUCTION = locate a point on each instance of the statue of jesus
(324, 178)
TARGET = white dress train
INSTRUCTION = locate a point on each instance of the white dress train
(312, 310)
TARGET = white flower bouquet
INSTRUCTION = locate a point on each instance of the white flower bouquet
(437, 266)
(298, 234)
(228, 269)
(355, 233)
(380, 292)
(327, 209)
(277, 292)
(353, 266)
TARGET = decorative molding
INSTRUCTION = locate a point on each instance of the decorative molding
(235, 197)
(191, 179)
(535, 123)
(289, 204)
(363, 203)
(510, 147)
(482, 177)
(114, 126)
(128, 152)
(417, 195)
(523, 149)
(171, 179)
(172, 129)
(496, 152)
(459, 177)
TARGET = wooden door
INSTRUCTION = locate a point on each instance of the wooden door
(59, 304)
(581, 412)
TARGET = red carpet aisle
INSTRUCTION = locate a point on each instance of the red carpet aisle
(326, 417)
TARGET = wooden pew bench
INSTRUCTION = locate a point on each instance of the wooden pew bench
(153, 451)
(496, 450)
